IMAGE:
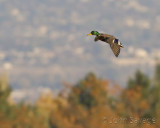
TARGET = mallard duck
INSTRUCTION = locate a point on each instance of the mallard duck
(115, 43)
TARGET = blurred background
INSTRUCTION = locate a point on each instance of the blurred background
(54, 76)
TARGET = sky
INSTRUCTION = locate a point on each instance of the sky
(44, 43)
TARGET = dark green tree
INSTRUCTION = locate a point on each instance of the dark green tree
(157, 75)
(155, 93)
(140, 79)
(89, 92)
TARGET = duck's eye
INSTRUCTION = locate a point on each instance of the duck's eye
(92, 32)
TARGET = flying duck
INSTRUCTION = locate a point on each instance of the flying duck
(114, 43)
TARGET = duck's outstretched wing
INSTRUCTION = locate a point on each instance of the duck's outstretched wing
(115, 48)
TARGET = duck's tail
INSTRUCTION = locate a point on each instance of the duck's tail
(121, 46)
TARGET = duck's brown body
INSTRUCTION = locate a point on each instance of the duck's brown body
(112, 41)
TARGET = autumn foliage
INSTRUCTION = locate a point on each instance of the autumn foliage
(91, 103)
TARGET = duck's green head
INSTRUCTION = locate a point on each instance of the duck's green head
(94, 33)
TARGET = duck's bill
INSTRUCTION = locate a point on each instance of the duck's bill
(89, 34)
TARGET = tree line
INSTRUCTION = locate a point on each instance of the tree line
(91, 103)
